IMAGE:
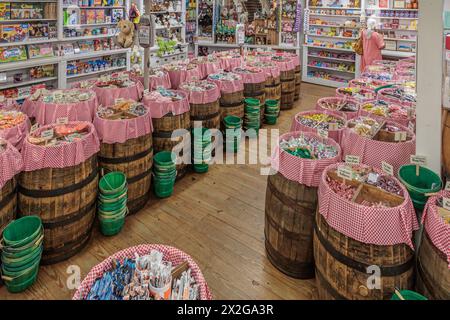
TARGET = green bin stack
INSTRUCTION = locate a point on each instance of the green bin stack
(252, 118)
(164, 173)
(202, 146)
(272, 110)
(233, 126)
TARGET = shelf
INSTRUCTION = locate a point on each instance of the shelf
(28, 63)
(331, 69)
(333, 49)
(330, 58)
(335, 15)
(171, 27)
(72, 76)
(332, 37)
(25, 20)
(324, 82)
(27, 42)
(401, 40)
(391, 9)
(90, 25)
(28, 82)
(232, 45)
(335, 8)
(73, 6)
(162, 12)
(93, 54)
(399, 18)
(330, 26)
(100, 36)
(404, 30)
(399, 54)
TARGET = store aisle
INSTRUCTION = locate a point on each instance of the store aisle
(217, 218)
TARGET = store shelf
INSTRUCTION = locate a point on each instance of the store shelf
(73, 76)
(94, 54)
(27, 1)
(331, 26)
(331, 37)
(399, 18)
(390, 9)
(25, 20)
(100, 36)
(171, 27)
(324, 82)
(331, 69)
(335, 15)
(28, 42)
(401, 40)
(335, 8)
(398, 54)
(389, 29)
(82, 25)
(92, 7)
(332, 49)
(28, 63)
(25, 83)
(331, 59)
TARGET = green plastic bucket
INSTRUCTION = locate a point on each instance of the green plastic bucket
(112, 207)
(23, 262)
(163, 189)
(113, 183)
(272, 103)
(111, 228)
(25, 251)
(252, 102)
(426, 182)
(271, 119)
(232, 121)
(22, 231)
(19, 281)
(166, 175)
(408, 295)
(164, 159)
(201, 167)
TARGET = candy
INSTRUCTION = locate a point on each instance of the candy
(224, 76)
(10, 119)
(198, 85)
(127, 109)
(308, 148)
(319, 121)
(62, 96)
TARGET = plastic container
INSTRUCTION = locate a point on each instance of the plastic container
(408, 295)
(252, 102)
(113, 183)
(22, 232)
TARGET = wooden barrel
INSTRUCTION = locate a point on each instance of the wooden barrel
(163, 129)
(446, 144)
(232, 104)
(207, 113)
(298, 82)
(134, 158)
(8, 203)
(289, 221)
(273, 88)
(65, 199)
(342, 266)
(287, 89)
(433, 274)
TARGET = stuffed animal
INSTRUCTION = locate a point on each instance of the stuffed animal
(126, 36)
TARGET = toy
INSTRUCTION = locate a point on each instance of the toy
(126, 36)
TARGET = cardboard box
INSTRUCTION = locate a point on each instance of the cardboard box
(5, 11)
(12, 54)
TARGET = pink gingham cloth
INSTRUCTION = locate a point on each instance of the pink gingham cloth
(228, 63)
(183, 74)
(401, 121)
(257, 76)
(159, 106)
(345, 114)
(228, 86)
(285, 64)
(174, 255)
(107, 96)
(16, 134)
(295, 57)
(336, 135)
(366, 83)
(10, 163)
(379, 226)
(373, 152)
(37, 157)
(271, 70)
(368, 94)
(438, 231)
(204, 96)
(303, 171)
(47, 113)
(154, 81)
(209, 67)
(121, 130)
(264, 55)
(382, 96)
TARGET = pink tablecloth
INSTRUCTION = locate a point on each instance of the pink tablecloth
(271, 69)
(154, 81)
(336, 135)
(365, 94)
(348, 115)
(373, 152)
(379, 226)
(304, 171)
(177, 77)
(160, 106)
(171, 254)
(229, 63)
(229, 86)
(285, 64)
(16, 134)
(257, 76)
(436, 228)
(37, 157)
(47, 113)
(202, 97)
(371, 84)
(107, 96)
(121, 130)
(10, 163)
(206, 68)
(295, 57)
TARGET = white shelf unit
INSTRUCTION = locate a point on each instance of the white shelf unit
(59, 79)
(329, 27)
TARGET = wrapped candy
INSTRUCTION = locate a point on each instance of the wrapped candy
(308, 148)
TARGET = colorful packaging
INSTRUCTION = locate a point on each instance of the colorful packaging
(11, 54)
(44, 50)
(38, 31)
(14, 32)
(100, 16)
(5, 11)
(90, 17)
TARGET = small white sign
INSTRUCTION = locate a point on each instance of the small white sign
(322, 133)
(34, 127)
(345, 173)
(447, 186)
(47, 134)
(352, 159)
(333, 126)
(419, 160)
(62, 120)
(240, 34)
(411, 126)
(400, 136)
(387, 168)
(446, 203)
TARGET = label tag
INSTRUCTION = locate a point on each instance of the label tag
(333, 126)
(34, 127)
(352, 159)
(322, 133)
(47, 134)
(400, 136)
(410, 112)
(411, 126)
(447, 186)
(446, 203)
(387, 168)
(62, 120)
(345, 173)
(419, 160)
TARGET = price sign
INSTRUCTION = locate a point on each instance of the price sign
(47, 134)
(62, 120)
(411, 126)
(387, 168)
(446, 203)
(352, 159)
(345, 173)
(333, 126)
(34, 127)
(419, 160)
(400, 136)
(447, 186)
(322, 133)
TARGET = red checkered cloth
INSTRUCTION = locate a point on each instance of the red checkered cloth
(228, 63)
(183, 74)
(107, 96)
(16, 134)
(303, 171)
(271, 69)
(286, 64)
(348, 115)
(336, 135)
(201, 97)
(228, 86)
(295, 57)
(171, 254)
(381, 96)
(209, 67)
(37, 157)
(257, 76)
(366, 83)
(435, 226)
(160, 106)
(154, 81)
(379, 226)
(373, 152)
(119, 131)
(10, 163)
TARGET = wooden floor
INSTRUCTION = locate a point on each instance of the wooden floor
(217, 218)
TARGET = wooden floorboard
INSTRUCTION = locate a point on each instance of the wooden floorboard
(217, 218)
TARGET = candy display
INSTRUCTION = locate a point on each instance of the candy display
(388, 110)
(398, 95)
(115, 80)
(345, 106)
(368, 83)
(364, 126)
(61, 96)
(59, 134)
(308, 147)
(197, 86)
(320, 121)
(126, 109)
(10, 119)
